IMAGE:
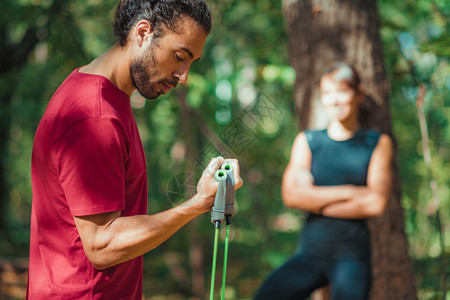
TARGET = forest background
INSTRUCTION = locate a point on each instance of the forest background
(238, 102)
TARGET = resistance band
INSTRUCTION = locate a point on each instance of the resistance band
(223, 208)
(225, 258)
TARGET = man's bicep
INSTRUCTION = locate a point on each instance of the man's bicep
(92, 228)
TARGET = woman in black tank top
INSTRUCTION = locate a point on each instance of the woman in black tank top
(340, 176)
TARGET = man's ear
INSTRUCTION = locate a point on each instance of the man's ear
(142, 31)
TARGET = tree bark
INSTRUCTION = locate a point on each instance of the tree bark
(324, 31)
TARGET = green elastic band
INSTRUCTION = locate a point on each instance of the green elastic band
(213, 274)
(225, 258)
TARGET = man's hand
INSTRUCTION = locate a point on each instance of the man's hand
(207, 185)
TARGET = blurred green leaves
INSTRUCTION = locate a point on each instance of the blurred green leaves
(243, 76)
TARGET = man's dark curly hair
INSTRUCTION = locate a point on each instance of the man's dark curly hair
(161, 14)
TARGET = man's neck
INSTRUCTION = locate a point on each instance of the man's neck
(114, 65)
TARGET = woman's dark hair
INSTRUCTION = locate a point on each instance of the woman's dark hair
(161, 14)
(344, 72)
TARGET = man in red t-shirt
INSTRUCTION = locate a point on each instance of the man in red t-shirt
(89, 227)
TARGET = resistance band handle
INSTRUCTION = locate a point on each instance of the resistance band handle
(229, 199)
(218, 210)
(224, 200)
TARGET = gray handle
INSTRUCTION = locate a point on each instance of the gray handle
(224, 200)
(218, 210)
(229, 199)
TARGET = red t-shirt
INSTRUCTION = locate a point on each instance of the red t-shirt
(87, 159)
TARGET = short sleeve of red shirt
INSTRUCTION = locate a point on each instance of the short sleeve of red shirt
(90, 159)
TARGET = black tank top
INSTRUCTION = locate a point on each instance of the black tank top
(337, 163)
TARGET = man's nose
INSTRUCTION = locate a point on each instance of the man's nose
(182, 73)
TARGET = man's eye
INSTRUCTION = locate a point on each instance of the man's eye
(178, 58)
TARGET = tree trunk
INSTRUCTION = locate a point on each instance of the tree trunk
(322, 32)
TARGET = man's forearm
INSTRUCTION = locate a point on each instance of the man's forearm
(124, 238)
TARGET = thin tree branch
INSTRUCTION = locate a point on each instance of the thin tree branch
(434, 206)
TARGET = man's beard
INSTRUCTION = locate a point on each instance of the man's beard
(141, 77)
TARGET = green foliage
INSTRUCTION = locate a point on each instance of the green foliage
(415, 40)
(239, 103)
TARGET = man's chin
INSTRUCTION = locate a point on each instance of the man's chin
(153, 97)
(150, 96)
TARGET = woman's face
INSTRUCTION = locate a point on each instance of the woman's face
(339, 99)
